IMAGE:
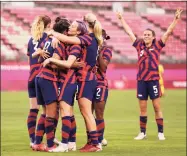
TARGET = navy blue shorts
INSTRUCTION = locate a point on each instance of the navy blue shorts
(101, 94)
(67, 92)
(148, 88)
(46, 91)
(31, 89)
(86, 89)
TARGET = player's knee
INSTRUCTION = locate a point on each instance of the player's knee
(66, 113)
(99, 114)
(143, 110)
(143, 113)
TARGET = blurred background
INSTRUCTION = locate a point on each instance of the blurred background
(16, 19)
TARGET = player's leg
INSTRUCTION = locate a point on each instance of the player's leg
(72, 135)
(142, 95)
(40, 130)
(50, 96)
(99, 106)
(154, 90)
(51, 110)
(85, 96)
(66, 99)
(33, 112)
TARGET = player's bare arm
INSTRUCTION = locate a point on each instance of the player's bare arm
(172, 25)
(126, 27)
(61, 63)
(64, 38)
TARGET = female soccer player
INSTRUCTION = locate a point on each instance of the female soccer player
(68, 84)
(148, 77)
(101, 94)
(40, 25)
(85, 76)
(47, 90)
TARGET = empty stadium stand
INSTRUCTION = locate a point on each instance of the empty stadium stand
(16, 23)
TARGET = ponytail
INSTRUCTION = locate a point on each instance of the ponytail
(93, 23)
(98, 32)
(37, 28)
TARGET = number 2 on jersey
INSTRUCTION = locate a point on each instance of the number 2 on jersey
(98, 92)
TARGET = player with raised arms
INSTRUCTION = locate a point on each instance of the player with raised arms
(149, 50)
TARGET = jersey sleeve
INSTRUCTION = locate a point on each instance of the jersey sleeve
(75, 50)
(136, 43)
(159, 44)
(85, 40)
(107, 54)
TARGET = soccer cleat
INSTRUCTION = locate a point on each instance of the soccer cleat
(91, 148)
(85, 146)
(56, 141)
(140, 136)
(49, 149)
(104, 142)
(61, 148)
(161, 136)
(39, 147)
(72, 146)
(100, 146)
(31, 144)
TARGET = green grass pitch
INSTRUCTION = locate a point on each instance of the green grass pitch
(122, 125)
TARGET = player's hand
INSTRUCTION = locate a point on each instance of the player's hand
(119, 15)
(178, 13)
(78, 64)
(46, 62)
(55, 42)
(44, 54)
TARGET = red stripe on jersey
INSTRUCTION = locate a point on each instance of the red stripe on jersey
(34, 66)
(150, 74)
(56, 88)
(81, 89)
(48, 71)
(145, 70)
(91, 76)
(75, 51)
(138, 45)
(107, 54)
(158, 45)
(60, 52)
(33, 75)
(73, 78)
(86, 39)
(153, 65)
(65, 83)
(48, 78)
(140, 60)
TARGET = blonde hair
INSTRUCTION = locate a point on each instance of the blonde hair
(38, 26)
(93, 23)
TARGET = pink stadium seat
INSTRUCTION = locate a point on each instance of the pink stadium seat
(18, 34)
